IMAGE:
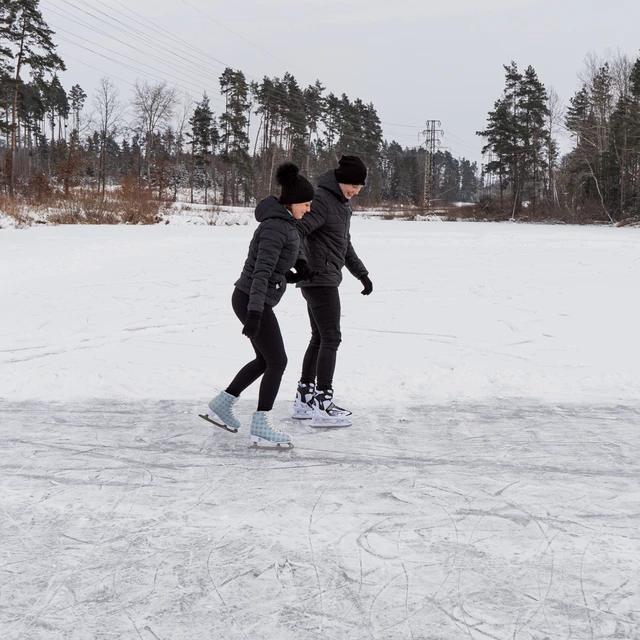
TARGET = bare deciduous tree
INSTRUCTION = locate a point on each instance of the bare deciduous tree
(154, 105)
(182, 120)
(555, 119)
(109, 114)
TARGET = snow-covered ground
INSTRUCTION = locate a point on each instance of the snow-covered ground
(489, 487)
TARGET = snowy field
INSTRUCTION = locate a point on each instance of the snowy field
(489, 488)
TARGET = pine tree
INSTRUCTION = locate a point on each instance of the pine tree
(6, 57)
(29, 38)
(634, 168)
(314, 107)
(78, 98)
(516, 133)
(71, 167)
(447, 169)
(295, 119)
(533, 113)
(500, 135)
(233, 129)
(31, 108)
(204, 137)
(468, 181)
(331, 125)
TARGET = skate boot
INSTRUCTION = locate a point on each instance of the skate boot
(327, 414)
(265, 436)
(220, 412)
(302, 409)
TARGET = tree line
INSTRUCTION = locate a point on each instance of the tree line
(165, 143)
(599, 179)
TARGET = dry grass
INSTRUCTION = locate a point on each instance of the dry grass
(16, 209)
(210, 214)
(39, 204)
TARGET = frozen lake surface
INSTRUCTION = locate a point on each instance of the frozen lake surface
(139, 520)
(489, 488)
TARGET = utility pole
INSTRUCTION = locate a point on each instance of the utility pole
(432, 141)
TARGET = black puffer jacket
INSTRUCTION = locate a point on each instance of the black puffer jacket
(272, 252)
(326, 237)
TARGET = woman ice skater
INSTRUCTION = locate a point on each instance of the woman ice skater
(273, 253)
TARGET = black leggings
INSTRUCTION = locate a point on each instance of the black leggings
(270, 360)
(323, 305)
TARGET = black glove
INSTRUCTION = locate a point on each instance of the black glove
(252, 324)
(302, 272)
(292, 277)
(302, 268)
(367, 284)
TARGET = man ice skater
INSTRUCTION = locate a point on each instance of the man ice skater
(327, 243)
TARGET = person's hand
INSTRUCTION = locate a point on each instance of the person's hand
(252, 324)
(367, 284)
(291, 277)
(303, 271)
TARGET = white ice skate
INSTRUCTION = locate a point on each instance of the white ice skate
(220, 412)
(265, 436)
(326, 414)
(302, 408)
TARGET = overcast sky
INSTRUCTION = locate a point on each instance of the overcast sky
(413, 59)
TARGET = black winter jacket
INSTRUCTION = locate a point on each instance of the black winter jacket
(326, 238)
(272, 252)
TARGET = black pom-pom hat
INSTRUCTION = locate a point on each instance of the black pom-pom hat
(295, 187)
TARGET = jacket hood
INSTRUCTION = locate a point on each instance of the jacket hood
(271, 208)
(329, 182)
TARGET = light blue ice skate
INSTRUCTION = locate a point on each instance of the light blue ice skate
(220, 412)
(265, 436)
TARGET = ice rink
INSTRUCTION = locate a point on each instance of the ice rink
(135, 520)
(489, 487)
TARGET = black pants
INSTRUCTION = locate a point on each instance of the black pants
(270, 361)
(323, 305)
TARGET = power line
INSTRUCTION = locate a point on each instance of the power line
(97, 69)
(206, 15)
(410, 126)
(162, 44)
(161, 31)
(128, 30)
(128, 33)
(120, 54)
(154, 43)
(118, 62)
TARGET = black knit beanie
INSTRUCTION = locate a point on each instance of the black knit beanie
(295, 188)
(351, 170)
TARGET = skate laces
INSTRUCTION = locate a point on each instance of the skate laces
(270, 425)
(231, 408)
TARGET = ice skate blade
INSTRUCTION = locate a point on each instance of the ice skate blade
(206, 417)
(326, 423)
(261, 443)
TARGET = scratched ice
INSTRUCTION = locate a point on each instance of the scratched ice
(504, 520)
(489, 487)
